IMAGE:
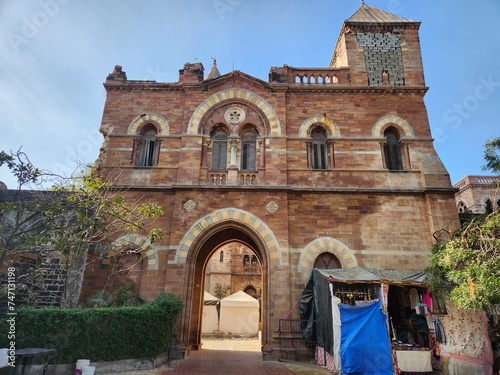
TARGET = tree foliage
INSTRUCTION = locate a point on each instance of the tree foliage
(71, 218)
(467, 268)
(492, 155)
(221, 290)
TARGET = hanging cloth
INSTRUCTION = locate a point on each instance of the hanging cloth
(427, 299)
(414, 298)
(439, 331)
(336, 329)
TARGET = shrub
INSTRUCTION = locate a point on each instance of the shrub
(100, 334)
(100, 299)
(127, 296)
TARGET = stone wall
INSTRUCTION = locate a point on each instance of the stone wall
(38, 283)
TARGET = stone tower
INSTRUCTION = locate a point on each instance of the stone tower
(380, 49)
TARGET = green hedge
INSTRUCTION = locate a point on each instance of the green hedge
(99, 334)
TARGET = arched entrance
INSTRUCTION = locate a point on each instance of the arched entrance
(204, 238)
(234, 277)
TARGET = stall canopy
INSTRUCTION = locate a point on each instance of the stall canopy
(209, 299)
(364, 335)
(370, 275)
(239, 314)
(210, 320)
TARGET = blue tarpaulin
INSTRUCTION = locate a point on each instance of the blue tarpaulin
(365, 348)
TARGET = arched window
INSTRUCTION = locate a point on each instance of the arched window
(392, 150)
(246, 260)
(462, 208)
(219, 150)
(254, 260)
(327, 261)
(148, 147)
(319, 149)
(489, 207)
(248, 151)
(250, 290)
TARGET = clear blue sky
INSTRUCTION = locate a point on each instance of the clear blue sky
(55, 55)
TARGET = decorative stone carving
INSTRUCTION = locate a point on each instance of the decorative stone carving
(272, 207)
(235, 115)
(189, 205)
(206, 141)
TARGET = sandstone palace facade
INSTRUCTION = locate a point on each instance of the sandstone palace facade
(315, 167)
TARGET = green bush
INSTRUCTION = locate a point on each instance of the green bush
(100, 334)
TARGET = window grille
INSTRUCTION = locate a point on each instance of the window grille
(392, 150)
(219, 151)
(319, 150)
(248, 151)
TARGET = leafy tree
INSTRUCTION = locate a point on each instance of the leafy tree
(67, 221)
(492, 155)
(221, 290)
(466, 269)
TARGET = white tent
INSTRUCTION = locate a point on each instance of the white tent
(210, 321)
(239, 314)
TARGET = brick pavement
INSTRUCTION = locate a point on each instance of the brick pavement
(229, 357)
(228, 362)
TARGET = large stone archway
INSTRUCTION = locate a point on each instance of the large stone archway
(199, 244)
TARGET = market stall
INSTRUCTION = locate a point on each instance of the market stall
(383, 323)
(239, 314)
(210, 321)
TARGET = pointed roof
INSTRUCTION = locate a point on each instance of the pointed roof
(369, 14)
(214, 72)
(209, 297)
(239, 298)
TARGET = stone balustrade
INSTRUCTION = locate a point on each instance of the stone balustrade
(309, 76)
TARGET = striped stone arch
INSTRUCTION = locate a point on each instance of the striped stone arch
(235, 93)
(149, 117)
(142, 243)
(332, 126)
(380, 125)
(229, 214)
(325, 245)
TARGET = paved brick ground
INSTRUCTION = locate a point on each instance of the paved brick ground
(229, 357)
(226, 362)
(230, 362)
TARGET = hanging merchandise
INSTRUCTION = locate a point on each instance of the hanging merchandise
(355, 295)
(427, 299)
(414, 298)
(439, 331)
(421, 309)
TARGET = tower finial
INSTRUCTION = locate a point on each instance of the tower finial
(362, 2)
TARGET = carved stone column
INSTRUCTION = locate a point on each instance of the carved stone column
(331, 153)
(205, 144)
(262, 151)
(309, 148)
(233, 143)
